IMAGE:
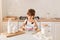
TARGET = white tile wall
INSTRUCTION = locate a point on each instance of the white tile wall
(42, 7)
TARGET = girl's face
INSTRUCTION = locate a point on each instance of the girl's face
(30, 17)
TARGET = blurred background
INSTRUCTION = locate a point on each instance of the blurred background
(44, 9)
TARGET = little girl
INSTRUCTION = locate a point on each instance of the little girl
(30, 23)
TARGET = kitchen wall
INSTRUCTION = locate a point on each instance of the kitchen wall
(42, 7)
(4, 8)
(0, 16)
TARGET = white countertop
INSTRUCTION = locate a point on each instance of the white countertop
(26, 36)
(19, 37)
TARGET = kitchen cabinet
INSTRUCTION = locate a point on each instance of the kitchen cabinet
(57, 31)
(52, 28)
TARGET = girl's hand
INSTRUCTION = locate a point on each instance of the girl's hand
(22, 29)
(38, 30)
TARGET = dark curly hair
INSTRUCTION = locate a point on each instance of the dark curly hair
(31, 12)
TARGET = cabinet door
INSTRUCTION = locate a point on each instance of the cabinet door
(57, 30)
(52, 31)
(47, 27)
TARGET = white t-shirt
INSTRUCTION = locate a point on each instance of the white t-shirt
(29, 24)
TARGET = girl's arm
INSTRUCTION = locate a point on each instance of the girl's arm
(23, 25)
(36, 26)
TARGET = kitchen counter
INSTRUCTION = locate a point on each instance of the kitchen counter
(49, 20)
(19, 33)
(19, 37)
(40, 20)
